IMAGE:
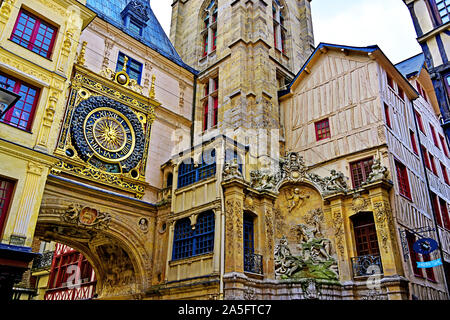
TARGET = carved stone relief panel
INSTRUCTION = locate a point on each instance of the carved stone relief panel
(304, 237)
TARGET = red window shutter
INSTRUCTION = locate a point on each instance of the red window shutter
(426, 158)
(433, 133)
(444, 173)
(216, 110)
(205, 45)
(22, 114)
(444, 145)
(419, 121)
(360, 171)
(387, 114)
(444, 213)
(413, 255)
(205, 116)
(433, 165)
(6, 191)
(429, 271)
(34, 34)
(402, 179)
(436, 210)
(413, 142)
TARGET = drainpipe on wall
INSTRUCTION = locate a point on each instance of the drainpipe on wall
(194, 103)
(222, 231)
(430, 197)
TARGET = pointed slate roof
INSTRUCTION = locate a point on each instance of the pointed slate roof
(153, 34)
(412, 66)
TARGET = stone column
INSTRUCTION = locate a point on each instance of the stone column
(342, 233)
(389, 249)
(234, 225)
(268, 234)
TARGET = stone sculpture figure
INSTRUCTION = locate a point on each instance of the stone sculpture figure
(379, 172)
(314, 260)
(336, 182)
(296, 198)
(263, 180)
(231, 170)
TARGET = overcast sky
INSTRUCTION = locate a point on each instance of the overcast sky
(386, 23)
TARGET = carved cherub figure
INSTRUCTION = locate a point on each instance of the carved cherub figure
(296, 198)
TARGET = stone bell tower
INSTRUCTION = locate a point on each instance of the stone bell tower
(245, 51)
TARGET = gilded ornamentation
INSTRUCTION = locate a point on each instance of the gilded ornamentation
(99, 176)
(6, 8)
(293, 167)
(81, 60)
(269, 230)
(229, 226)
(152, 88)
(86, 217)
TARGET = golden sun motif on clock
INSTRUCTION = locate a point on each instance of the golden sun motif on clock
(109, 134)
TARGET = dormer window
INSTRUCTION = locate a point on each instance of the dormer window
(135, 16)
(135, 28)
(209, 34)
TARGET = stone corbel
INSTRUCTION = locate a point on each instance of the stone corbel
(193, 218)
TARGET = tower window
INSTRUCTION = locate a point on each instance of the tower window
(34, 34)
(211, 104)
(279, 30)
(209, 39)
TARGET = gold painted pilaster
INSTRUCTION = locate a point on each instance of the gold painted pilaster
(29, 204)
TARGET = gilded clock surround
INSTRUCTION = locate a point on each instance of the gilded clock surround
(106, 133)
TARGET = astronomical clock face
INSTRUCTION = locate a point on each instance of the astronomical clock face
(107, 134)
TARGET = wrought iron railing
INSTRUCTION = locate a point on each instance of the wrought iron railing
(253, 263)
(43, 261)
(365, 266)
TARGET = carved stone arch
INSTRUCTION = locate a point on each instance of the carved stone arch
(133, 244)
(124, 276)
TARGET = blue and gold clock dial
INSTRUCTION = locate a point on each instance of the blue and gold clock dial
(109, 134)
